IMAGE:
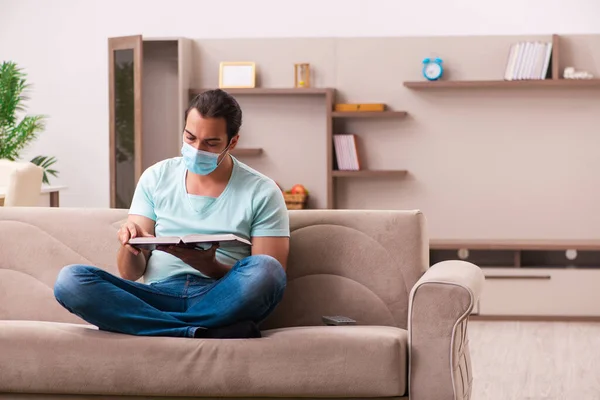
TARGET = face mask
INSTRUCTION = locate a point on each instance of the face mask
(199, 161)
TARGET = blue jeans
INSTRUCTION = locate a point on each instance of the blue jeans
(176, 306)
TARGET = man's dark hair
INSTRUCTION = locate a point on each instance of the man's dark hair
(218, 104)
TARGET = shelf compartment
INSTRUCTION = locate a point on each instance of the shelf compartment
(558, 259)
(481, 258)
(369, 114)
(246, 152)
(527, 254)
(369, 173)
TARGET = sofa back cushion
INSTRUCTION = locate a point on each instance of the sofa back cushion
(36, 242)
(356, 263)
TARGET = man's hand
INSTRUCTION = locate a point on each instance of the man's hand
(130, 261)
(204, 261)
(131, 230)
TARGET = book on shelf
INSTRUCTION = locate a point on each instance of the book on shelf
(346, 153)
(528, 61)
(197, 240)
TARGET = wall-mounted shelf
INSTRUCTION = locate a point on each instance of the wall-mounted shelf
(553, 79)
(246, 152)
(270, 91)
(369, 174)
(368, 114)
(545, 83)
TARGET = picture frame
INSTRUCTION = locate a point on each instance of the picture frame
(238, 74)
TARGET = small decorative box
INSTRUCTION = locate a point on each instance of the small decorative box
(359, 107)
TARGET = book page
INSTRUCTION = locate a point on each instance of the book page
(222, 239)
(155, 240)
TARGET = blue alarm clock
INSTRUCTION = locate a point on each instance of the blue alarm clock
(432, 69)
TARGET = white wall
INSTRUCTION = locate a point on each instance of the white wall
(62, 44)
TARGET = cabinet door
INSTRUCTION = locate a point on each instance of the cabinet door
(557, 292)
(125, 117)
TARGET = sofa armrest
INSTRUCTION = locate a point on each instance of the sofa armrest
(439, 306)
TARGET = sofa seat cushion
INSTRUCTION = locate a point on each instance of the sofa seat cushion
(320, 361)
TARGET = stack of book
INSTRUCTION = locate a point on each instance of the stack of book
(528, 60)
(346, 153)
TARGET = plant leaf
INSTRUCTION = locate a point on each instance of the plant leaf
(12, 86)
(15, 135)
(22, 134)
(45, 162)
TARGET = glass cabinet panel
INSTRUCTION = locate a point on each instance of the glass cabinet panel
(125, 70)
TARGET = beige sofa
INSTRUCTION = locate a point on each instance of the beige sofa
(411, 337)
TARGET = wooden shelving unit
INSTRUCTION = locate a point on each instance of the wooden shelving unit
(369, 174)
(329, 101)
(247, 152)
(369, 114)
(524, 279)
(555, 80)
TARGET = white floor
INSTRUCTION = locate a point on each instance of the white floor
(535, 360)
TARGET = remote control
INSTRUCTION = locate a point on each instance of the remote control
(338, 320)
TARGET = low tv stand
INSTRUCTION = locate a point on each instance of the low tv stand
(529, 279)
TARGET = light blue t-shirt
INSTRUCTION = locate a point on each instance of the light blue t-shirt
(251, 205)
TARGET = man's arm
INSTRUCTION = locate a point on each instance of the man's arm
(276, 247)
(270, 227)
(205, 260)
(131, 262)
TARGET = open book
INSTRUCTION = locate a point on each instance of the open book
(201, 241)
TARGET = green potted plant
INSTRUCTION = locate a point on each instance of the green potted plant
(15, 132)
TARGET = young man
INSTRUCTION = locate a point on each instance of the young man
(216, 293)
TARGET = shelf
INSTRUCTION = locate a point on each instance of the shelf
(246, 152)
(369, 174)
(520, 256)
(553, 70)
(501, 84)
(369, 114)
(270, 91)
(546, 245)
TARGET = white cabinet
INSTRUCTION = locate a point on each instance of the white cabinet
(540, 292)
(537, 279)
